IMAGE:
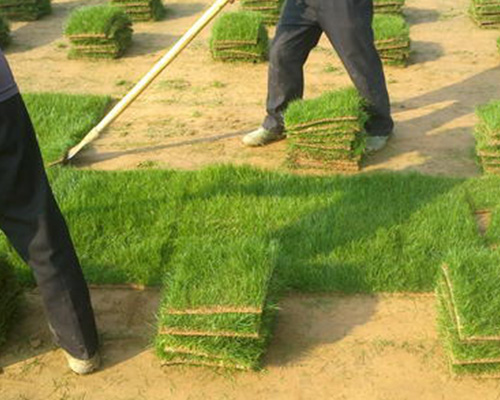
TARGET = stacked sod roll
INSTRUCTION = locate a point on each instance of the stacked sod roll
(486, 13)
(142, 10)
(24, 10)
(4, 33)
(388, 6)
(328, 131)
(469, 313)
(101, 31)
(269, 9)
(9, 296)
(239, 36)
(487, 135)
(392, 39)
(216, 310)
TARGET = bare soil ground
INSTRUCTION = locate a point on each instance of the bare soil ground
(325, 347)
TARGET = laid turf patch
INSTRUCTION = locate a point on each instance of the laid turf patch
(9, 297)
(388, 6)
(142, 10)
(270, 10)
(327, 131)
(485, 13)
(101, 31)
(239, 36)
(62, 120)
(487, 135)
(4, 32)
(392, 39)
(24, 10)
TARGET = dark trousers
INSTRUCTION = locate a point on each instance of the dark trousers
(348, 26)
(31, 219)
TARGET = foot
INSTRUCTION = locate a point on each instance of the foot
(376, 143)
(261, 137)
(83, 367)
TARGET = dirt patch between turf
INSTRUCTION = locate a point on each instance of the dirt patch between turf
(325, 347)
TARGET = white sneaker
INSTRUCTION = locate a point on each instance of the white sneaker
(83, 367)
(261, 137)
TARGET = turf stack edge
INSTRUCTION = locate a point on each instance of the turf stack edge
(24, 10)
(485, 13)
(388, 6)
(392, 39)
(487, 137)
(142, 10)
(270, 10)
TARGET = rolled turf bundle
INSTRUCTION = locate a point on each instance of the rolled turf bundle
(485, 13)
(269, 9)
(9, 296)
(469, 316)
(328, 131)
(24, 10)
(392, 39)
(388, 6)
(142, 10)
(239, 36)
(216, 309)
(101, 31)
(4, 32)
(487, 135)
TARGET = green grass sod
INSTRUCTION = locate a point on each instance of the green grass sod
(388, 6)
(9, 297)
(486, 13)
(62, 120)
(239, 36)
(102, 31)
(392, 39)
(270, 10)
(140, 10)
(4, 32)
(487, 135)
(24, 10)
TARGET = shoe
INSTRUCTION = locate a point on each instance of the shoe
(261, 137)
(376, 143)
(83, 367)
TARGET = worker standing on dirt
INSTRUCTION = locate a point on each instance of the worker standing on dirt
(348, 26)
(31, 219)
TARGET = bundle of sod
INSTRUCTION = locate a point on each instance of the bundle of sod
(388, 6)
(469, 310)
(327, 131)
(24, 10)
(487, 135)
(392, 39)
(485, 13)
(142, 10)
(4, 32)
(101, 31)
(9, 294)
(269, 9)
(216, 309)
(239, 36)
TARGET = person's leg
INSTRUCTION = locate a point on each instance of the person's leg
(31, 219)
(348, 25)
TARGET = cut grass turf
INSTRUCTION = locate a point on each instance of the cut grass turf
(485, 13)
(24, 10)
(239, 36)
(487, 135)
(62, 120)
(388, 6)
(392, 39)
(142, 10)
(327, 131)
(270, 10)
(101, 31)
(4, 32)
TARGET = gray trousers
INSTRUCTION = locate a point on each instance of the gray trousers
(31, 219)
(348, 26)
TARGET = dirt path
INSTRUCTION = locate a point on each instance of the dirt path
(325, 347)
(195, 114)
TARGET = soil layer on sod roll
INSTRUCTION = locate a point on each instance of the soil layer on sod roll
(487, 136)
(9, 297)
(24, 10)
(392, 39)
(270, 10)
(142, 10)
(485, 13)
(327, 131)
(388, 6)
(102, 31)
(239, 36)
(5, 38)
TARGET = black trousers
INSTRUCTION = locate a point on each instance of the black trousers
(348, 26)
(31, 219)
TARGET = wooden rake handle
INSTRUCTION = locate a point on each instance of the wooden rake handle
(147, 79)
